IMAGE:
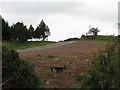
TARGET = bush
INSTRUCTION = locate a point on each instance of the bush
(17, 72)
(104, 71)
(51, 56)
(72, 39)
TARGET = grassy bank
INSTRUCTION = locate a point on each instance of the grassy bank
(102, 38)
(18, 45)
(94, 40)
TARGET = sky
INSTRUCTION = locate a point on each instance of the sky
(65, 18)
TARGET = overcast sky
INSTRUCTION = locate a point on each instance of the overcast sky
(65, 18)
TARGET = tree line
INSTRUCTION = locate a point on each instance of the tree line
(20, 32)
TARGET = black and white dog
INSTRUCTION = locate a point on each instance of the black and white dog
(58, 69)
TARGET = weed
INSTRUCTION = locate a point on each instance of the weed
(104, 71)
(40, 56)
(51, 56)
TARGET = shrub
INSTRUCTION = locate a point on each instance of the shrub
(104, 71)
(51, 56)
(72, 39)
(17, 72)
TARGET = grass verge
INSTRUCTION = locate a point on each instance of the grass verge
(18, 45)
(102, 38)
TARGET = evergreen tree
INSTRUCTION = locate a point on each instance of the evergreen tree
(19, 32)
(38, 32)
(30, 32)
(41, 30)
(47, 32)
(14, 33)
(6, 34)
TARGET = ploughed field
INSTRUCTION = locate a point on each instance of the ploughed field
(75, 57)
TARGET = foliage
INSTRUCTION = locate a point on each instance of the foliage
(19, 31)
(104, 71)
(17, 72)
(40, 30)
(30, 32)
(72, 39)
(6, 34)
(95, 31)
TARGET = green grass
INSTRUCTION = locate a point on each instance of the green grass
(41, 56)
(95, 40)
(18, 45)
(102, 38)
(99, 40)
(79, 78)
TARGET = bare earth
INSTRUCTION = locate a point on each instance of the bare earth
(75, 56)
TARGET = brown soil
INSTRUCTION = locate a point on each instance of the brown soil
(76, 57)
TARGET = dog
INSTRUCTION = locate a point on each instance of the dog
(58, 69)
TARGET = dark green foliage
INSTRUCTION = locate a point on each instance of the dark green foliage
(16, 72)
(40, 31)
(6, 33)
(72, 39)
(95, 31)
(79, 78)
(19, 32)
(104, 71)
(30, 32)
(52, 56)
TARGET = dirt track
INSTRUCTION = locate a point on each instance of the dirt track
(75, 56)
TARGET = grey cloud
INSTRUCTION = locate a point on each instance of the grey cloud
(31, 10)
(119, 18)
(102, 14)
(39, 8)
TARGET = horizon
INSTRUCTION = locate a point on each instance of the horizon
(65, 19)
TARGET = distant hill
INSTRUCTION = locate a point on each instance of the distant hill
(72, 39)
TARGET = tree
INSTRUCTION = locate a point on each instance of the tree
(30, 32)
(42, 31)
(47, 32)
(6, 34)
(95, 31)
(14, 33)
(37, 32)
(19, 32)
